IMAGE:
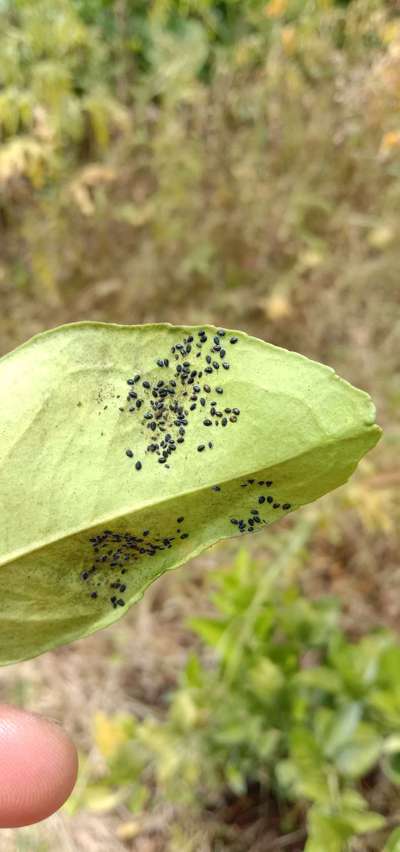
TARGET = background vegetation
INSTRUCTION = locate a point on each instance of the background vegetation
(234, 162)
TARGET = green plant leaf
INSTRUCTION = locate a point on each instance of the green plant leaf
(358, 755)
(393, 842)
(363, 821)
(76, 513)
(210, 630)
(308, 760)
(320, 677)
(326, 832)
(342, 728)
(391, 767)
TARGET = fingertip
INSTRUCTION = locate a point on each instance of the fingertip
(38, 767)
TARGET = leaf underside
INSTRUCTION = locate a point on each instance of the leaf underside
(108, 480)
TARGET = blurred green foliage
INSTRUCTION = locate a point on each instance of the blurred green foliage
(284, 700)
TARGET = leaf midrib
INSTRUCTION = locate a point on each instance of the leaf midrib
(109, 518)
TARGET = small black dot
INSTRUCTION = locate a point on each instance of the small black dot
(269, 483)
(185, 535)
(138, 465)
(94, 595)
(160, 362)
(236, 410)
(120, 602)
(225, 366)
(201, 447)
(129, 453)
(233, 340)
(276, 506)
(219, 390)
(261, 499)
(180, 519)
(215, 488)
(270, 499)
(287, 506)
(207, 422)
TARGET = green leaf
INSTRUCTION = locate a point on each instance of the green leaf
(320, 677)
(70, 496)
(235, 779)
(265, 679)
(210, 630)
(359, 665)
(363, 821)
(330, 832)
(193, 672)
(342, 728)
(391, 767)
(393, 842)
(359, 755)
(326, 832)
(308, 759)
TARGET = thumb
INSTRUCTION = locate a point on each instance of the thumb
(38, 767)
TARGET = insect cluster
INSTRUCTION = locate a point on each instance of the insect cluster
(113, 553)
(188, 389)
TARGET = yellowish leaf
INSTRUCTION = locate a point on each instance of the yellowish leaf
(390, 141)
(129, 830)
(390, 32)
(288, 38)
(276, 8)
(109, 733)
(277, 307)
(381, 236)
(101, 800)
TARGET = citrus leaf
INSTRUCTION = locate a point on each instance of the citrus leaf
(127, 450)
